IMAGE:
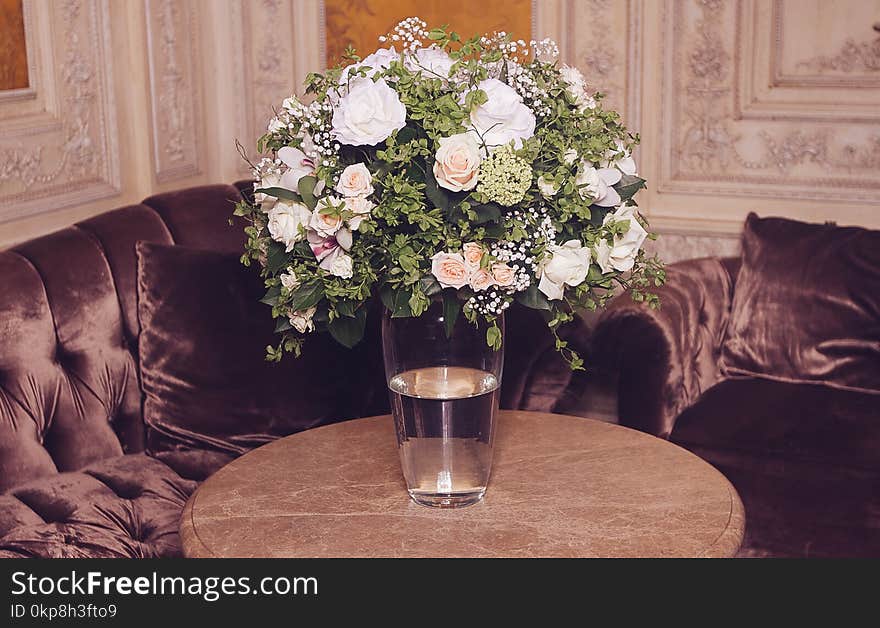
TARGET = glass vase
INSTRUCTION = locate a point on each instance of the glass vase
(444, 392)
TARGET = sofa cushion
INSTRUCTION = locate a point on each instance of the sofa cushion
(209, 393)
(803, 458)
(806, 305)
(123, 507)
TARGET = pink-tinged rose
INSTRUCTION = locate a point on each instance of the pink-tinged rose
(503, 274)
(457, 162)
(481, 279)
(361, 207)
(473, 254)
(450, 270)
(325, 224)
(321, 246)
(355, 180)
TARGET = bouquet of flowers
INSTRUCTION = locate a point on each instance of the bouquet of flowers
(477, 172)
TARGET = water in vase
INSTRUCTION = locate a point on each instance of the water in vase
(445, 427)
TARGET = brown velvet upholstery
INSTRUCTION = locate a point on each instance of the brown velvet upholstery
(207, 385)
(814, 321)
(805, 457)
(74, 480)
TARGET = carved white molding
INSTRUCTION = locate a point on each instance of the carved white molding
(175, 94)
(709, 147)
(59, 148)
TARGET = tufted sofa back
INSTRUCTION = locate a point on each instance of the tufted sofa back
(69, 393)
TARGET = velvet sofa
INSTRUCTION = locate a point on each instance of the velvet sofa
(776, 383)
(77, 474)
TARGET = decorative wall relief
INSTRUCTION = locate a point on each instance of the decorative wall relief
(727, 130)
(172, 40)
(60, 147)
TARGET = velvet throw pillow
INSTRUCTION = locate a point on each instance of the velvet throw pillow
(209, 394)
(806, 306)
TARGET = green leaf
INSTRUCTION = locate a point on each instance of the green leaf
(405, 135)
(533, 298)
(271, 296)
(401, 307)
(451, 310)
(434, 192)
(493, 337)
(348, 331)
(306, 187)
(276, 257)
(281, 193)
(628, 186)
(387, 296)
(430, 285)
(306, 295)
(346, 308)
(490, 212)
(282, 323)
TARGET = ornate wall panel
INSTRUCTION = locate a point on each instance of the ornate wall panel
(58, 140)
(603, 38)
(744, 114)
(175, 87)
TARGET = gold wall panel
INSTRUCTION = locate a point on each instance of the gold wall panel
(13, 54)
(360, 22)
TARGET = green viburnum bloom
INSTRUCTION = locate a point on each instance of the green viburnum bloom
(504, 177)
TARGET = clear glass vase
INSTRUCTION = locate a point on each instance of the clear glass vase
(444, 396)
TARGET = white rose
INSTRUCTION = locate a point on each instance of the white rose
(432, 61)
(338, 264)
(503, 117)
(361, 207)
(457, 162)
(368, 114)
(621, 159)
(547, 187)
(285, 220)
(621, 255)
(567, 265)
(378, 61)
(301, 320)
(569, 156)
(299, 165)
(596, 184)
(355, 180)
(289, 280)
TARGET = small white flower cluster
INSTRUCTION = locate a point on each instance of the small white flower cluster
(518, 255)
(410, 33)
(267, 169)
(315, 122)
(526, 86)
(491, 303)
(545, 50)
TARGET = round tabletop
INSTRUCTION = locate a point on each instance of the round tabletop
(561, 486)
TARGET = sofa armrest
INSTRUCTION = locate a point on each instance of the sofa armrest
(666, 358)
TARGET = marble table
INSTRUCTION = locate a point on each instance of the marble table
(561, 486)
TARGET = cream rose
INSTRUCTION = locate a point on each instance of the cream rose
(325, 224)
(568, 265)
(596, 184)
(472, 254)
(289, 280)
(361, 208)
(301, 320)
(368, 114)
(287, 222)
(481, 279)
(378, 61)
(338, 264)
(503, 274)
(503, 117)
(457, 162)
(621, 255)
(355, 180)
(449, 269)
(270, 180)
(547, 187)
